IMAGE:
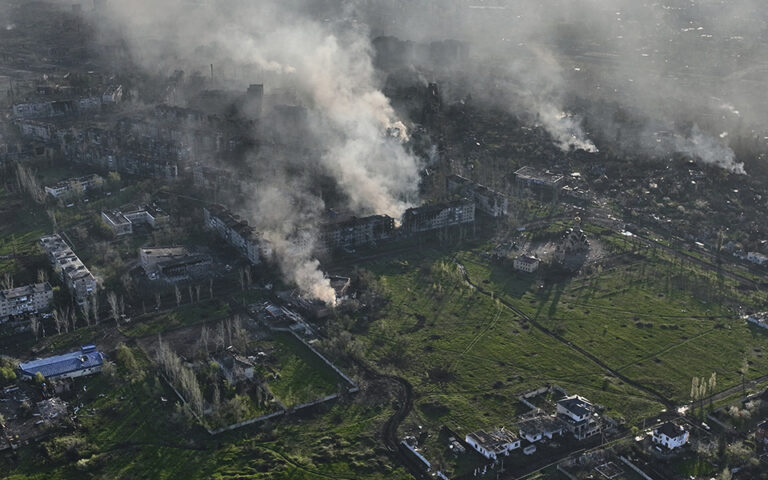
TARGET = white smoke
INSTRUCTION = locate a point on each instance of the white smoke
(565, 129)
(709, 150)
(327, 64)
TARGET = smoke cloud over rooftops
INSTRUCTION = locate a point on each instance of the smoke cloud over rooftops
(572, 66)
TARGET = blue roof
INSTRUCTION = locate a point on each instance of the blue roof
(86, 357)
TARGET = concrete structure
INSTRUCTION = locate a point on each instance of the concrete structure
(123, 223)
(113, 94)
(536, 428)
(670, 436)
(235, 232)
(71, 185)
(573, 246)
(487, 201)
(27, 299)
(348, 232)
(526, 263)
(494, 444)
(435, 217)
(579, 416)
(531, 177)
(173, 263)
(78, 279)
(85, 361)
(117, 222)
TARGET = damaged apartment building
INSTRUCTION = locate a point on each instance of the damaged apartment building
(440, 216)
(235, 231)
(487, 201)
(345, 231)
(71, 270)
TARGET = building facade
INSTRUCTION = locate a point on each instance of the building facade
(526, 263)
(86, 361)
(579, 416)
(492, 445)
(235, 231)
(487, 201)
(670, 436)
(70, 269)
(27, 299)
(435, 217)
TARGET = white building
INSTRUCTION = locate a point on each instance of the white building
(526, 263)
(78, 279)
(68, 186)
(670, 436)
(27, 299)
(494, 444)
(579, 416)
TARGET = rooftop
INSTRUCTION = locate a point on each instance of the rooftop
(24, 291)
(577, 405)
(493, 441)
(541, 176)
(671, 430)
(86, 357)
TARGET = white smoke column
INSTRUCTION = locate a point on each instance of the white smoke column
(327, 64)
(709, 150)
(565, 129)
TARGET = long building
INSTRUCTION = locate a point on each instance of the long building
(86, 361)
(27, 299)
(348, 232)
(75, 275)
(235, 231)
(439, 216)
(487, 201)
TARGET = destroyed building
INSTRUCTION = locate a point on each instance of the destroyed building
(350, 231)
(172, 263)
(123, 223)
(487, 201)
(439, 216)
(27, 299)
(539, 181)
(235, 231)
(573, 247)
(71, 270)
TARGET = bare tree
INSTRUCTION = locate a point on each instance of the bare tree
(56, 320)
(204, 338)
(178, 294)
(86, 310)
(210, 288)
(241, 271)
(113, 305)
(248, 275)
(95, 307)
(122, 305)
(34, 324)
(191, 298)
(197, 292)
(158, 300)
(7, 281)
(42, 275)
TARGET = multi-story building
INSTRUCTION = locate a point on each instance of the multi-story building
(71, 270)
(235, 231)
(670, 435)
(489, 202)
(526, 263)
(579, 416)
(352, 231)
(27, 299)
(123, 223)
(435, 217)
(172, 262)
(70, 185)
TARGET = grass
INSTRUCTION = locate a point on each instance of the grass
(303, 377)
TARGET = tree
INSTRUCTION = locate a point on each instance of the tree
(42, 276)
(39, 378)
(7, 281)
(158, 300)
(197, 292)
(113, 305)
(178, 294)
(94, 301)
(34, 324)
(86, 311)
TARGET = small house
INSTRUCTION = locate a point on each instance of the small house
(491, 445)
(670, 436)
